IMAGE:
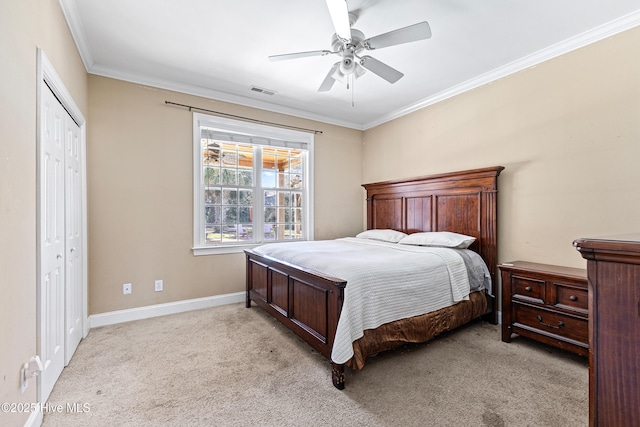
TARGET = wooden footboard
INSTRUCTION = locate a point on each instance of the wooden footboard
(307, 302)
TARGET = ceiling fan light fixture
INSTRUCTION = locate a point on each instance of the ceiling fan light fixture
(341, 77)
(347, 65)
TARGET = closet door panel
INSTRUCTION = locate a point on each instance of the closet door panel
(74, 239)
(51, 290)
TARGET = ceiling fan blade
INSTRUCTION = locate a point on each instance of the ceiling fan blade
(340, 16)
(412, 33)
(328, 81)
(299, 55)
(381, 69)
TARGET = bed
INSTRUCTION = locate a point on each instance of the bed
(311, 300)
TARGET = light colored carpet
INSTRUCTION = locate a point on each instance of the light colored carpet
(232, 366)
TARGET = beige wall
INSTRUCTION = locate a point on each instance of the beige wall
(24, 25)
(140, 202)
(568, 133)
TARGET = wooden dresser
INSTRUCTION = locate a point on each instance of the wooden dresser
(613, 266)
(547, 303)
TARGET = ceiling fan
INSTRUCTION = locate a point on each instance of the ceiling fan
(349, 43)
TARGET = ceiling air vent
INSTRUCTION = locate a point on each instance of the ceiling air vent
(262, 90)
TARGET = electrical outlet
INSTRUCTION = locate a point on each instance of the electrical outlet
(126, 288)
(159, 285)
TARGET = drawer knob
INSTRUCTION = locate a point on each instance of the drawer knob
(573, 298)
(528, 289)
(560, 324)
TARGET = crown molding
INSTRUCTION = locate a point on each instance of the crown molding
(612, 28)
(216, 95)
(71, 15)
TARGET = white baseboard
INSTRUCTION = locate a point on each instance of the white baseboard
(149, 311)
(35, 419)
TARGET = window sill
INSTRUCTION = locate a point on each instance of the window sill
(223, 249)
(235, 248)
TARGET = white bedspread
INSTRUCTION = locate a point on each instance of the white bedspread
(385, 281)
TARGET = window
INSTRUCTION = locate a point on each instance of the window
(251, 185)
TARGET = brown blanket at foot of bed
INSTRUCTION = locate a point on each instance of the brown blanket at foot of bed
(416, 329)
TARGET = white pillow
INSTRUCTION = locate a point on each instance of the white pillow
(445, 239)
(386, 235)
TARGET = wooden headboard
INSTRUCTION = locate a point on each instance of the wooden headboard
(463, 202)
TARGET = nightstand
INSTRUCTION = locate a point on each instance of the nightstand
(547, 303)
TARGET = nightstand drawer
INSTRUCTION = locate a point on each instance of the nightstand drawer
(549, 322)
(572, 298)
(528, 289)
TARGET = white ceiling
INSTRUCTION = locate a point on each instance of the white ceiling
(219, 48)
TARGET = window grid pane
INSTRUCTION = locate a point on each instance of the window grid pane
(282, 169)
(228, 171)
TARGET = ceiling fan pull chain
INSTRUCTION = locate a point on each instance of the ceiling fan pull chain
(353, 90)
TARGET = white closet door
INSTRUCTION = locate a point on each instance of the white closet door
(73, 232)
(52, 241)
(62, 227)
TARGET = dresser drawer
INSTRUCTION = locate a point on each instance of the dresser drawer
(551, 323)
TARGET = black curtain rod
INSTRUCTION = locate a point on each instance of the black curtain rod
(190, 107)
